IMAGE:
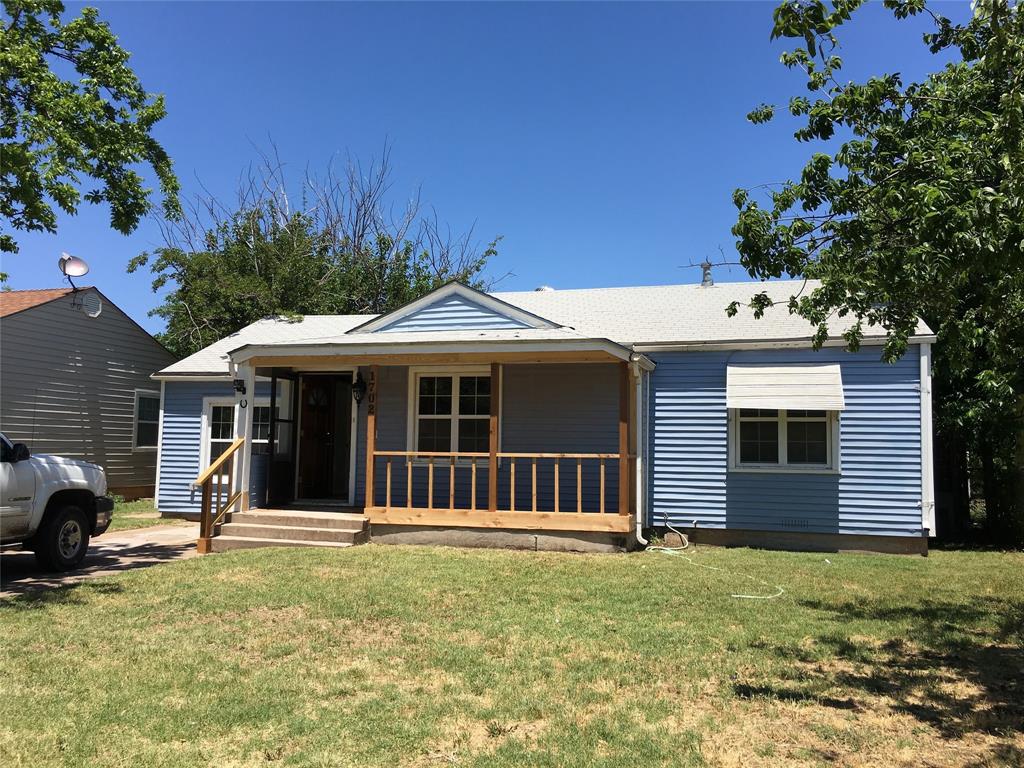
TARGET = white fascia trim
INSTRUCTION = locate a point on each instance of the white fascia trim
(452, 289)
(313, 351)
(927, 466)
(190, 377)
(159, 450)
(805, 343)
(179, 377)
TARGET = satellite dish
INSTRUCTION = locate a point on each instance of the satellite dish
(72, 266)
(92, 305)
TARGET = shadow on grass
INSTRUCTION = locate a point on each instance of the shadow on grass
(753, 692)
(23, 581)
(958, 668)
(66, 594)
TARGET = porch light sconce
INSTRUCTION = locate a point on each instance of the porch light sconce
(359, 389)
(239, 386)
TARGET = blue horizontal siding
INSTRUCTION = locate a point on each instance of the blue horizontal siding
(877, 492)
(181, 440)
(454, 313)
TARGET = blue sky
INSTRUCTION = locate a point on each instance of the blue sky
(603, 141)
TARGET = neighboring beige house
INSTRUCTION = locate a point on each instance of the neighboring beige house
(75, 381)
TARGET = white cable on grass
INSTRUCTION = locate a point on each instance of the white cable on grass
(678, 552)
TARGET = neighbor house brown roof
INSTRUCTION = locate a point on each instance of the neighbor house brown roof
(16, 301)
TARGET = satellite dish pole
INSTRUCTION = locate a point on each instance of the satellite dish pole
(72, 266)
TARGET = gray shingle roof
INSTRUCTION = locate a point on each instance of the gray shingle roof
(645, 315)
(678, 313)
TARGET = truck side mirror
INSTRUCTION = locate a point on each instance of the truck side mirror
(20, 452)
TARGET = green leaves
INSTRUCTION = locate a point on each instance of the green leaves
(57, 135)
(918, 212)
(761, 114)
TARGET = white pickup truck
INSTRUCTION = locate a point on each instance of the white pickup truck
(51, 505)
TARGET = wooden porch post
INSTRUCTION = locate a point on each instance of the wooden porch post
(492, 461)
(371, 434)
(623, 438)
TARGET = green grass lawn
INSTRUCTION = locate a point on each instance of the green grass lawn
(400, 656)
(137, 514)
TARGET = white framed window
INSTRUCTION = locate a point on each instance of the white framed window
(146, 429)
(218, 427)
(449, 409)
(261, 428)
(773, 440)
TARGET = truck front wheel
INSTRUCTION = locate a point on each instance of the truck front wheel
(63, 539)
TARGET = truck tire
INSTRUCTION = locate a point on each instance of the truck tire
(62, 539)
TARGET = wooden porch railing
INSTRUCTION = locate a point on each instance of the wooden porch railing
(569, 516)
(216, 503)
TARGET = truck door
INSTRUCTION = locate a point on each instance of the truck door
(17, 487)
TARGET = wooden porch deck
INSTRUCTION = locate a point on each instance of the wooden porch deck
(584, 522)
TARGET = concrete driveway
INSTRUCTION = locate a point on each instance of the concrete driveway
(109, 553)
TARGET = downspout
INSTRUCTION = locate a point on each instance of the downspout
(640, 446)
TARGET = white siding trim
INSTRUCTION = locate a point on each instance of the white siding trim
(927, 466)
(641, 450)
(159, 448)
(243, 428)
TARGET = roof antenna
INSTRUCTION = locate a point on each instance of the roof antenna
(706, 281)
(72, 266)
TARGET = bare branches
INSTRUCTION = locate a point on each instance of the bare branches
(350, 208)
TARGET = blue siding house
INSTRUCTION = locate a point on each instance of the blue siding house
(590, 416)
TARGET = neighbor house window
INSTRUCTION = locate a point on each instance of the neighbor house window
(147, 418)
(451, 412)
(767, 438)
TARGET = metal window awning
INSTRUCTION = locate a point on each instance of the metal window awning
(793, 387)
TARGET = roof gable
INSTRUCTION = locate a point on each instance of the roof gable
(455, 307)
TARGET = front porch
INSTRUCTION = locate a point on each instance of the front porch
(562, 490)
(528, 443)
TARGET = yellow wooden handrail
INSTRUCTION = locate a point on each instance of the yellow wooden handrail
(211, 470)
(213, 510)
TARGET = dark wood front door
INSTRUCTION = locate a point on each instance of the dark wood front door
(324, 437)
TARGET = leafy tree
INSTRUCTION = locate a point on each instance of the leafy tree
(58, 135)
(914, 206)
(341, 252)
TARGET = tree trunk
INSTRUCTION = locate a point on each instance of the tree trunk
(1015, 481)
(993, 516)
(952, 487)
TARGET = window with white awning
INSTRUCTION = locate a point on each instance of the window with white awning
(784, 417)
(798, 387)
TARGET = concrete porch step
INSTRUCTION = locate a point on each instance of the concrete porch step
(249, 530)
(301, 519)
(228, 543)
